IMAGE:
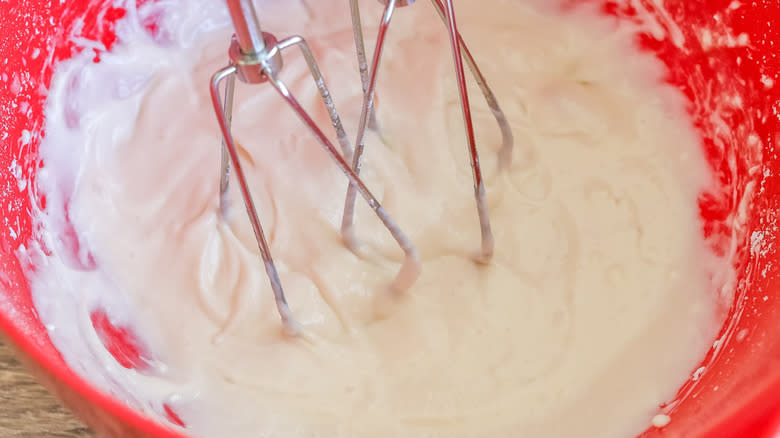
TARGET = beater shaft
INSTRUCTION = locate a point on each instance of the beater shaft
(248, 32)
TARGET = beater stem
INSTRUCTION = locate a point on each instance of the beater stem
(347, 220)
(224, 179)
(479, 187)
(289, 323)
(247, 26)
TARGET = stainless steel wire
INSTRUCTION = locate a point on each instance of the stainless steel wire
(368, 75)
(224, 170)
(256, 57)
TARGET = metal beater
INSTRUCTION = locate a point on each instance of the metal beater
(256, 57)
(446, 11)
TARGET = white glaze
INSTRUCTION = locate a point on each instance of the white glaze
(596, 307)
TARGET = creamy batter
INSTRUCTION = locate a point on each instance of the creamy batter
(597, 305)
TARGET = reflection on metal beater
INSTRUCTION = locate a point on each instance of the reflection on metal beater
(256, 57)
(368, 77)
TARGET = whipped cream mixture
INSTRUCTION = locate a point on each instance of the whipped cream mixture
(597, 305)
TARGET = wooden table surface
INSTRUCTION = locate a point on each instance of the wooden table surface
(27, 410)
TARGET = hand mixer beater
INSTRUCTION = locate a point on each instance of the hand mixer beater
(257, 57)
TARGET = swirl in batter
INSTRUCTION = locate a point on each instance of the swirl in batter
(597, 304)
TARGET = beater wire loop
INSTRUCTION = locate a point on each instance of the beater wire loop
(368, 78)
(507, 139)
(254, 219)
(327, 99)
(479, 185)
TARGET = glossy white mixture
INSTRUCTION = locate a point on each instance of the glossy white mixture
(596, 307)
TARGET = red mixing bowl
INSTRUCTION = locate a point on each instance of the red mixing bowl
(739, 393)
